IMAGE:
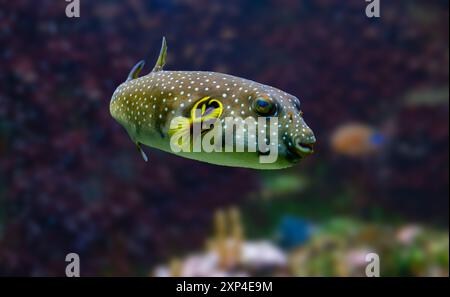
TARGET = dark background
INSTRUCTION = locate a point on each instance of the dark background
(72, 181)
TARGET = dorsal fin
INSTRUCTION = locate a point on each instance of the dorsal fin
(162, 57)
(136, 70)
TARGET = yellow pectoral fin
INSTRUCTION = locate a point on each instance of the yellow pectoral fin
(201, 111)
(205, 110)
(199, 105)
(216, 113)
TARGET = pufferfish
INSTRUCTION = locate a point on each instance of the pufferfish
(147, 107)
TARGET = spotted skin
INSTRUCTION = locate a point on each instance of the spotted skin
(145, 106)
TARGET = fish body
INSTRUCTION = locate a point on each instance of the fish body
(147, 107)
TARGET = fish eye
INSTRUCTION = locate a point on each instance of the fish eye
(264, 106)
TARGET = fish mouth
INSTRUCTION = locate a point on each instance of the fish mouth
(305, 148)
(300, 150)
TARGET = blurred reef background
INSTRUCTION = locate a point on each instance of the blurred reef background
(375, 91)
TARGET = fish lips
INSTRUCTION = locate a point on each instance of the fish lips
(300, 151)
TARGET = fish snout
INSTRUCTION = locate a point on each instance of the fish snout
(303, 146)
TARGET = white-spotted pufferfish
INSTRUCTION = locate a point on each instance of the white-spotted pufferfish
(146, 107)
